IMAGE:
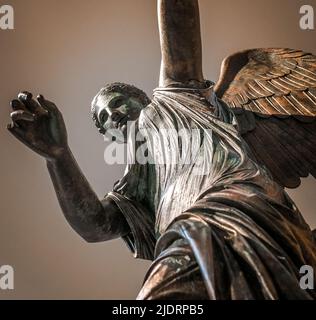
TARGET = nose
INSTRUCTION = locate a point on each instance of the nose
(115, 116)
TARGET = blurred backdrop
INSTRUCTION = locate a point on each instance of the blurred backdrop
(67, 50)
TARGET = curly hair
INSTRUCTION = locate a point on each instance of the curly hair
(127, 90)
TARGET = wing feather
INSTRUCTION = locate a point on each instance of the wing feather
(279, 87)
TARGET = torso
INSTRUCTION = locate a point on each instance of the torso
(220, 156)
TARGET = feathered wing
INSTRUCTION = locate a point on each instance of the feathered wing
(273, 95)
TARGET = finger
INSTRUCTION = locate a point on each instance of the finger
(46, 104)
(17, 105)
(25, 95)
(16, 131)
(19, 115)
(20, 134)
(30, 104)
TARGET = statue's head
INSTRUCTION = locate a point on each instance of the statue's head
(115, 105)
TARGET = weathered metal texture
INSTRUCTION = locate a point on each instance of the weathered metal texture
(220, 226)
(278, 87)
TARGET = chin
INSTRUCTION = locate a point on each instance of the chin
(120, 137)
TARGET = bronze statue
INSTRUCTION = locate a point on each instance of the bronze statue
(219, 225)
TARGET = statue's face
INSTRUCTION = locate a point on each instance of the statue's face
(114, 110)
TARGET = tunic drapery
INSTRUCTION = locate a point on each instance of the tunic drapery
(201, 193)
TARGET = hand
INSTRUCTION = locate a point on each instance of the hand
(39, 125)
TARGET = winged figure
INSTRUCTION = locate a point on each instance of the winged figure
(209, 206)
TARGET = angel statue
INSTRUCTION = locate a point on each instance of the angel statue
(218, 225)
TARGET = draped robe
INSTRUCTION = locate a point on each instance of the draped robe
(204, 208)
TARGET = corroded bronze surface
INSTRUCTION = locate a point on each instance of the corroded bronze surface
(210, 209)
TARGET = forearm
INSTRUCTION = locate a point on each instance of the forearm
(180, 38)
(80, 205)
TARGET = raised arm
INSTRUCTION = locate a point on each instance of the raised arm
(180, 40)
(40, 126)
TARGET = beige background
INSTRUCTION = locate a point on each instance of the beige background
(67, 50)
